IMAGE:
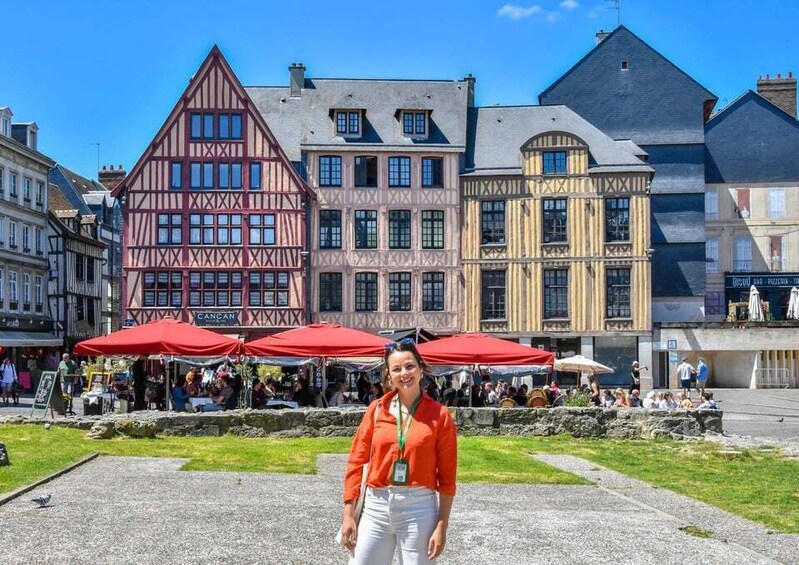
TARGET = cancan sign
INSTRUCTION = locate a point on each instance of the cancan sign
(216, 318)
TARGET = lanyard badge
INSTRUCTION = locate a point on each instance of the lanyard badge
(399, 473)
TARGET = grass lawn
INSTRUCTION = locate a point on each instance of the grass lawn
(758, 485)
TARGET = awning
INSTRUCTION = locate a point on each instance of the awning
(28, 339)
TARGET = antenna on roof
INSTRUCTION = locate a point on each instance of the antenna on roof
(616, 5)
(98, 159)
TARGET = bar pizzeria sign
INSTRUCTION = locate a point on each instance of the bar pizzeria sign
(784, 280)
(229, 318)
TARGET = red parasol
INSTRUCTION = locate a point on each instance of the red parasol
(161, 337)
(318, 340)
(480, 349)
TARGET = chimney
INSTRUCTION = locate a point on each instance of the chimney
(469, 80)
(297, 76)
(601, 35)
(780, 91)
(110, 177)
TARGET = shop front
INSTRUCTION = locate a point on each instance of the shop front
(28, 343)
(774, 290)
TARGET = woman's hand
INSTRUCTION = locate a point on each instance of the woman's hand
(437, 541)
(349, 531)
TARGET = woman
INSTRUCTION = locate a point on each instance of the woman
(191, 387)
(337, 399)
(621, 399)
(593, 389)
(635, 377)
(410, 443)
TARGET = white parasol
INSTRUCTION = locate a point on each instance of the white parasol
(793, 305)
(580, 364)
(755, 310)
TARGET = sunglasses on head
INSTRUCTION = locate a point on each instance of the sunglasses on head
(405, 341)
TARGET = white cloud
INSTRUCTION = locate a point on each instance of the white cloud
(552, 17)
(519, 12)
(569, 4)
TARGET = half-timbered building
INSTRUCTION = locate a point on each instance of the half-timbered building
(383, 157)
(215, 216)
(556, 235)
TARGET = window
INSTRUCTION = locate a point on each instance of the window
(13, 296)
(617, 219)
(365, 292)
(556, 293)
(26, 292)
(90, 269)
(555, 216)
(4, 126)
(2, 180)
(399, 229)
(12, 185)
(170, 229)
(554, 163)
(330, 229)
(90, 310)
(399, 292)
(625, 65)
(712, 255)
(215, 289)
(80, 310)
(714, 304)
(202, 126)
(341, 122)
(230, 126)
(330, 170)
(432, 229)
(493, 295)
(38, 293)
(711, 204)
(348, 122)
(366, 229)
(262, 229)
(12, 235)
(201, 229)
(742, 207)
(255, 176)
(26, 239)
(414, 123)
(779, 252)
(2, 232)
(80, 267)
(330, 292)
(39, 193)
(176, 176)
(492, 222)
(618, 293)
(162, 289)
(228, 229)
(202, 176)
(269, 289)
(776, 203)
(27, 185)
(433, 292)
(743, 253)
(399, 172)
(366, 171)
(2, 288)
(230, 175)
(432, 172)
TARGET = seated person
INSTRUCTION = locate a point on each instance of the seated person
(635, 398)
(685, 402)
(192, 389)
(222, 400)
(707, 402)
(649, 402)
(607, 399)
(179, 397)
(554, 389)
(260, 396)
(302, 396)
(337, 399)
(520, 395)
(621, 399)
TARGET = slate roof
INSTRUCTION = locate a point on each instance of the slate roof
(305, 121)
(751, 140)
(651, 102)
(497, 133)
(74, 187)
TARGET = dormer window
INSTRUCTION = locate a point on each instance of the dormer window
(414, 124)
(348, 122)
(5, 125)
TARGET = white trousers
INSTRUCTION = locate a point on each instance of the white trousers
(396, 517)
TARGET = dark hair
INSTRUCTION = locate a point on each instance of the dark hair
(405, 344)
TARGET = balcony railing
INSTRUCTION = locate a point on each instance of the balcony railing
(742, 265)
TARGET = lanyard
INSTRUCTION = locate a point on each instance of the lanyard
(402, 434)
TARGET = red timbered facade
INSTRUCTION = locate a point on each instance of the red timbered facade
(215, 216)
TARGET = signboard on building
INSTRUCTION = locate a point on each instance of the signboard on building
(221, 318)
(764, 281)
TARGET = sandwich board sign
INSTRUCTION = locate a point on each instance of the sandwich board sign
(41, 401)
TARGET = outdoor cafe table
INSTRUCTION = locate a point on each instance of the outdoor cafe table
(197, 401)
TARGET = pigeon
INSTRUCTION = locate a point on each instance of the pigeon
(47, 425)
(42, 500)
(781, 420)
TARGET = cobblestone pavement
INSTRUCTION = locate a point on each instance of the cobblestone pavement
(139, 510)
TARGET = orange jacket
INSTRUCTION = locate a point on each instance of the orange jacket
(431, 448)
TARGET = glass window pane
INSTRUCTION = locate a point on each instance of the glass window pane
(208, 175)
(224, 175)
(196, 126)
(224, 126)
(236, 126)
(235, 175)
(208, 126)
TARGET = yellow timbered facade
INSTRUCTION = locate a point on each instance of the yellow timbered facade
(555, 235)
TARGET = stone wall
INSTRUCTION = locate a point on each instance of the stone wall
(578, 422)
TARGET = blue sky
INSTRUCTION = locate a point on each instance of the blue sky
(109, 71)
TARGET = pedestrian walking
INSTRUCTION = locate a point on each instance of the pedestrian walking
(684, 373)
(8, 381)
(701, 376)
